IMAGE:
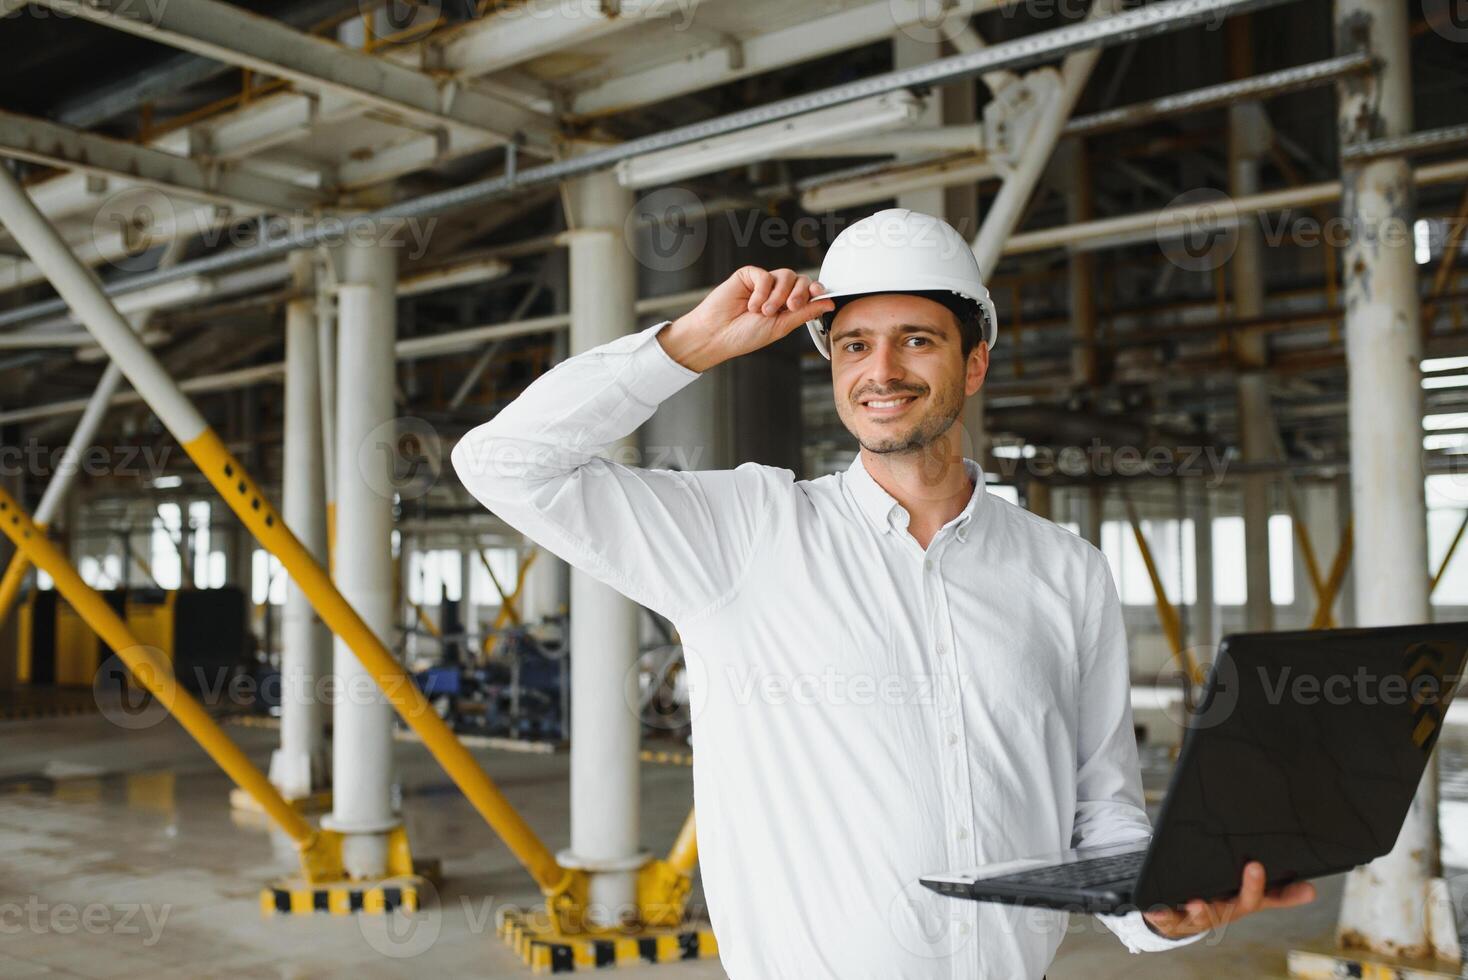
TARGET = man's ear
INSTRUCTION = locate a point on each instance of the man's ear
(976, 369)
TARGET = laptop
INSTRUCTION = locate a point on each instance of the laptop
(1304, 753)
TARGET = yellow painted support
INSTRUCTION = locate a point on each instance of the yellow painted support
(683, 858)
(1436, 578)
(426, 620)
(14, 578)
(245, 499)
(1172, 625)
(155, 674)
(1333, 581)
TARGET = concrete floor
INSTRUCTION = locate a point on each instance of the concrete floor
(120, 857)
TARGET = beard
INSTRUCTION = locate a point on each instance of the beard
(945, 408)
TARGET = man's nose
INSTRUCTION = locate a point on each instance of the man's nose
(885, 365)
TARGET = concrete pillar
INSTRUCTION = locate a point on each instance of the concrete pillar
(1396, 905)
(1075, 174)
(1249, 139)
(467, 561)
(1091, 512)
(300, 765)
(605, 734)
(1204, 620)
(362, 719)
(1038, 499)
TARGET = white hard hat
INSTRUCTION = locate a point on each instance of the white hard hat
(901, 251)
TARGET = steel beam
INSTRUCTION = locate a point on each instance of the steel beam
(1024, 52)
(238, 37)
(54, 145)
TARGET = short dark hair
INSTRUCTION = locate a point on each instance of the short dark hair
(970, 315)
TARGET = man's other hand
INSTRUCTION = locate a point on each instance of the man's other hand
(1200, 916)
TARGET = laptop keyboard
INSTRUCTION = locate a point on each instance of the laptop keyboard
(1081, 874)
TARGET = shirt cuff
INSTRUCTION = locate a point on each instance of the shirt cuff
(1133, 930)
(650, 371)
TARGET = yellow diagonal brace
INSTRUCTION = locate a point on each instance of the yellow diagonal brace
(683, 858)
(14, 578)
(153, 671)
(1172, 625)
(1442, 566)
(1323, 616)
(246, 500)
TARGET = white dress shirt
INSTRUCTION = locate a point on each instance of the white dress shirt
(864, 711)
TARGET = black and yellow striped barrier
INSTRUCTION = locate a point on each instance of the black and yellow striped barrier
(545, 952)
(377, 899)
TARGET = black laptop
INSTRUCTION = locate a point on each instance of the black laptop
(1304, 753)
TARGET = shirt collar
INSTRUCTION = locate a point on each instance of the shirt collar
(883, 510)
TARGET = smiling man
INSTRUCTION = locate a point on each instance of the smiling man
(894, 672)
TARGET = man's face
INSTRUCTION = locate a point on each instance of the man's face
(893, 348)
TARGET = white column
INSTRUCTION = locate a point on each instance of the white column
(1204, 630)
(300, 765)
(362, 719)
(605, 733)
(1390, 906)
(1248, 141)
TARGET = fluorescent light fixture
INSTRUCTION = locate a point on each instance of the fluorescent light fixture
(1452, 441)
(1422, 241)
(167, 482)
(765, 142)
(463, 274)
(1446, 381)
(1448, 420)
(851, 191)
(1431, 364)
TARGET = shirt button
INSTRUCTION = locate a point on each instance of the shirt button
(952, 739)
(963, 927)
(963, 833)
(942, 649)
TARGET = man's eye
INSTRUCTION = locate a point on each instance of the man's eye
(921, 340)
(850, 348)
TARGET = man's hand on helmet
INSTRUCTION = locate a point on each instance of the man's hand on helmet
(749, 310)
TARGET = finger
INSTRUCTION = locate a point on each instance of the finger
(810, 311)
(800, 294)
(761, 282)
(1298, 893)
(783, 280)
(1251, 894)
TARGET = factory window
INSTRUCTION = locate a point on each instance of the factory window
(201, 557)
(1230, 586)
(1171, 544)
(267, 578)
(1447, 493)
(163, 549)
(505, 563)
(432, 575)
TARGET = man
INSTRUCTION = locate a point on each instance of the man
(894, 672)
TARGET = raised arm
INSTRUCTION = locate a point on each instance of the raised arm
(676, 542)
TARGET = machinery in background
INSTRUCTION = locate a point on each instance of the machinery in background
(516, 685)
(202, 632)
